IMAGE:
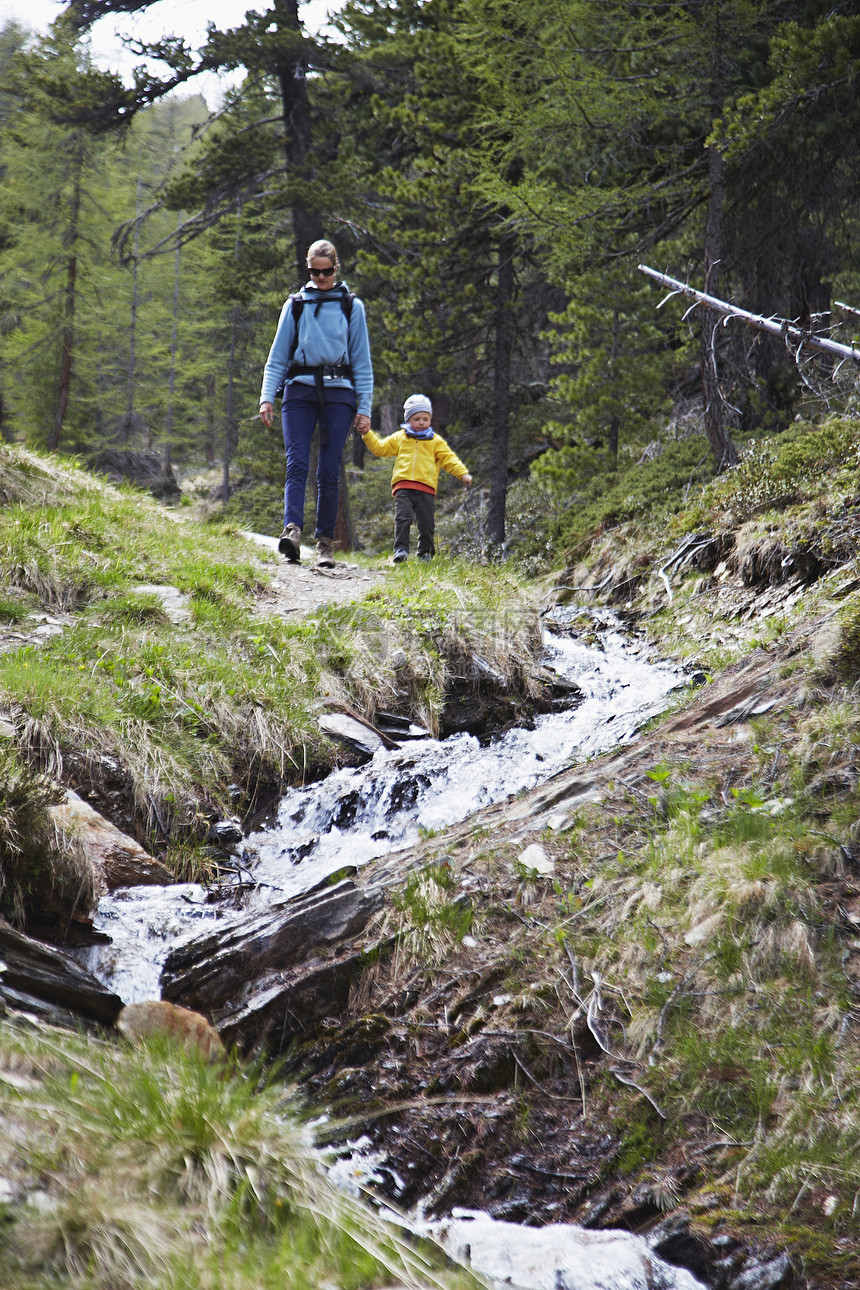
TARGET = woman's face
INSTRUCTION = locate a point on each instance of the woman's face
(323, 272)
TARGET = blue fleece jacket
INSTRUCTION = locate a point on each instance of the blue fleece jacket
(324, 337)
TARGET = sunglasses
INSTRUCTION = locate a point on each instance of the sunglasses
(321, 273)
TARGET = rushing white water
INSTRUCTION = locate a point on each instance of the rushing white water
(353, 816)
(558, 1256)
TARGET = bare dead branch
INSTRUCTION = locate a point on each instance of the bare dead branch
(793, 334)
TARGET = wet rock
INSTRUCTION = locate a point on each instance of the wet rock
(399, 728)
(226, 832)
(767, 1274)
(279, 1006)
(561, 691)
(116, 859)
(345, 809)
(158, 1019)
(676, 1242)
(346, 730)
(301, 850)
(406, 791)
(210, 971)
(38, 978)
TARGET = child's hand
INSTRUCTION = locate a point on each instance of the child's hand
(467, 480)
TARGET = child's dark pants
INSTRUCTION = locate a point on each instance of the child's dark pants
(414, 504)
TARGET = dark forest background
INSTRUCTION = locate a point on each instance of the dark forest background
(493, 173)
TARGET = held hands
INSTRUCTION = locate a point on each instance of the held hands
(267, 414)
(362, 424)
(467, 480)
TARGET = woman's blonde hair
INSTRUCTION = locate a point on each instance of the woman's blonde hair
(323, 248)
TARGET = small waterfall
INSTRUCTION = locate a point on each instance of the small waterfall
(356, 815)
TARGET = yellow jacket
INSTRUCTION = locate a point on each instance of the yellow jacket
(418, 460)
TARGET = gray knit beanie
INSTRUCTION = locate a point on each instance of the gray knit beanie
(416, 403)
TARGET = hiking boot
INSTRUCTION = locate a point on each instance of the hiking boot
(290, 543)
(325, 553)
(400, 556)
(425, 557)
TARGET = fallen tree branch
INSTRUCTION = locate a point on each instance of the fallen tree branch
(631, 1083)
(790, 332)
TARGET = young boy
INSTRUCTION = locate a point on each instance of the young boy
(420, 453)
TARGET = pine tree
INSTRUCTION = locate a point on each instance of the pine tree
(457, 310)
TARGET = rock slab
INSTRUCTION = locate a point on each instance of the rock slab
(215, 971)
(116, 859)
(39, 978)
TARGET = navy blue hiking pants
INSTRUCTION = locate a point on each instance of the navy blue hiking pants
(300, 412)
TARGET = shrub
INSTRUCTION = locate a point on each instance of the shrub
(585, 501)
(781, 469)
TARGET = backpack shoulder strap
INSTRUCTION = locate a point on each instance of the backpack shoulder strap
(347, 300)
(297, 304)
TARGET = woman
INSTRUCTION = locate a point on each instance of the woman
(321, 358)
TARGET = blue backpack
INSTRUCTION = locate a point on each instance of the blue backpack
(297, 303)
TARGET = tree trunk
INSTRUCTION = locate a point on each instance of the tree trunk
(68, 329)
(614, 422)
(231, 429)
(230, 426)
(388, 419)
(128, 423)
(295, 109)
(344, 529)
(359, 452)
(504, 322)
(209, 442)
(723, 449)
(171, 380)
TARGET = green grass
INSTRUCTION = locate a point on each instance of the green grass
(573, 503)
(150, 1167)
(431, 915)
(781, 469)
(38, 875)
(217, 694)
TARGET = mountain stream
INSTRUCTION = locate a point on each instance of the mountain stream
(356, 815)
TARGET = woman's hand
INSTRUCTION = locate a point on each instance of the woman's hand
(267, 414)
(362, 424)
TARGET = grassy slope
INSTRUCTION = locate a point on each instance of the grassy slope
(125, 1168)
(174, 722)
(710, 904)
(716, 898)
